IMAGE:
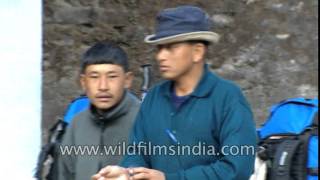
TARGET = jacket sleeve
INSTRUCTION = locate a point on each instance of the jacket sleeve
(135, 156)
(65, 161)
(236, 133)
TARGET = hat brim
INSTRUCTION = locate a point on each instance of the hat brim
(209, 36)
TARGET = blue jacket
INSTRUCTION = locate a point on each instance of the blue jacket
(216, 115)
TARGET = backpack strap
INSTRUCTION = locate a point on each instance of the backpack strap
(313, 132)
(283, 159)
(313, 171)
(57, 131)
(315, 120)
(314, 126)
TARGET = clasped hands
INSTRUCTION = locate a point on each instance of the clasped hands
(120, 173)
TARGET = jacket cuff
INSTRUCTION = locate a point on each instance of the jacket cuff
(172, 176)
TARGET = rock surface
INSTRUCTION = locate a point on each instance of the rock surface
(268, 47)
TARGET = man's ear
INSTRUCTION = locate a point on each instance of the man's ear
(82, 82)
(199, 51)
(128, 80)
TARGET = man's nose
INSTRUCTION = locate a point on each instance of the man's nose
(103, 84)
(161, 54)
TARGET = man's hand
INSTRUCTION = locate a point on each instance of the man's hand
(145, 173)
(111, 173)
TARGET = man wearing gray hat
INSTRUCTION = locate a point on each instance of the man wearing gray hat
(195, 125)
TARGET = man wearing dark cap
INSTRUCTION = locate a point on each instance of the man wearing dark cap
(193, 108)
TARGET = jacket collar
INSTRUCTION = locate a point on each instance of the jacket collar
(203, 88)
(113, 113)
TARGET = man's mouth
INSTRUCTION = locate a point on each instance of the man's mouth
(104, 98)
(164, 68)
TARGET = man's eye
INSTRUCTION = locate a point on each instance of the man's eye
(93, 77)
(164, 47)
(158, 48)
(174, 45)
(114, 76)
(170, 46)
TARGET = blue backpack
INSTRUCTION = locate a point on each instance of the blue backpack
(76, 106)
(57, 131)
(289, 140)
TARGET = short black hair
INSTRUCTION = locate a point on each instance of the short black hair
(105, 52)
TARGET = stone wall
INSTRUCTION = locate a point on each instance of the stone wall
(268, 47)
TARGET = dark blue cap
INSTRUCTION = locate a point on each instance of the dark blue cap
(180, 24)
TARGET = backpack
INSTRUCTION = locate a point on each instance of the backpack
(76, 106)
(288, 142)
(47, 164)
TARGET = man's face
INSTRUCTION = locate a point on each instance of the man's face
(175, 60)
(105, 84)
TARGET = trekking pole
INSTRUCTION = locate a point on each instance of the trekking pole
(146, 69)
